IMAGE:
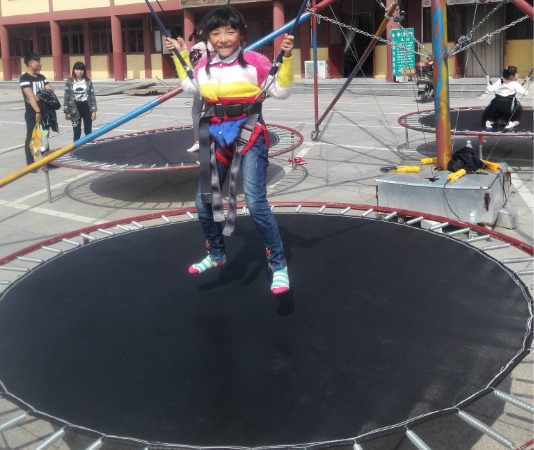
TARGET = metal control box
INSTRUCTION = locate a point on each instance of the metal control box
(482, 195)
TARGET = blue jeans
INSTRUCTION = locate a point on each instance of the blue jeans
(254, 174)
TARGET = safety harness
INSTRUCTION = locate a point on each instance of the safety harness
(234, 129)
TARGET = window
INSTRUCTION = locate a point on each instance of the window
(72, 39)
(45, 41)
(132, 36)
(101, 38)
(20, 43)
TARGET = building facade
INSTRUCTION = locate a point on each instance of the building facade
(119, 39)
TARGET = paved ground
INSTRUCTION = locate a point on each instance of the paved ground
(359, 136)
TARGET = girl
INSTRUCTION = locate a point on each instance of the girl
(505, 107)
(80, 101)
(230, 81)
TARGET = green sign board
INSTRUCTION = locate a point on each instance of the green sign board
(402, 52)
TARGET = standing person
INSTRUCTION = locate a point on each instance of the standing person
(80, 101)
(195, 55)
(505, 107)
(31, 83)
(230, 81)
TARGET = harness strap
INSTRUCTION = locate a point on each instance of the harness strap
(206, 152)
(246, 138)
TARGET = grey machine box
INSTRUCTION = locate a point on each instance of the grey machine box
(476, 198)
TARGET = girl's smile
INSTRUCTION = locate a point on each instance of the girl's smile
(225, 40)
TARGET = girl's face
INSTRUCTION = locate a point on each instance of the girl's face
(78, 73)
(225, 40)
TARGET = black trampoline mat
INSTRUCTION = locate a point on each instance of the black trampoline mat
(158, 148)
(383, 323)
(471, 120)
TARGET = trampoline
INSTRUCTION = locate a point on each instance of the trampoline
(467, 121)
(103, 330)
(158, 150)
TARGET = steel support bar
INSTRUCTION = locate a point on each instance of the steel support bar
(514, 401)
(55, 437)
(417, 441)
(441, 83)
(12, 422)
(481, 426)
(367, 52)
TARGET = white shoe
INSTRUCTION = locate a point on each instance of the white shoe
(489, 124)
(194, 148)
(509, 126)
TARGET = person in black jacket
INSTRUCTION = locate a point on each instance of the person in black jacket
(31, 83)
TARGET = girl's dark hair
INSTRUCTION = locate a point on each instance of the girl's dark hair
(79, 66)
(510, 70)
(221, 17)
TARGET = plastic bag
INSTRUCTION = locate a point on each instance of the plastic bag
(35, 142)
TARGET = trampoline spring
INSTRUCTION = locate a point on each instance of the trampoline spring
(272, 207)
(12, 422)
(391, 215)
(56, 436)
(481, 426)
(14, 269)
(456, 232)
(5, 283)
(357, 446)
(321, 209)
(525, 272)
(439, 226)
(345, 211)
(68, 241)
(190, 215)
(414, 221)
(51, 249)
(109, 233)
(517, 260)
(138, 225)
(123, 166)
(166, 219)
(514, 401)
(34, 260)
(478, 238)
(198, 162)
(298, 208)
(495, 247)
(96, 445)
(86, 236)
(123, 227)
(417, 441)
(366, 213)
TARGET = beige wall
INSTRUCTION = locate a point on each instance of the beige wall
(68, 5)
(131, 2)
(381, 62)
(135, 66)
(157, 66)
(100, 67)
(22, 7)
(519, 53)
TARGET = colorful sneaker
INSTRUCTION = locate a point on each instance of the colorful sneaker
(489, 124)
(280, 281)
(205, 264)
(509, 126)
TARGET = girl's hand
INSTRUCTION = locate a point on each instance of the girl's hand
(287, 44)
(178, 44)
(67, 116)
(93, 115)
